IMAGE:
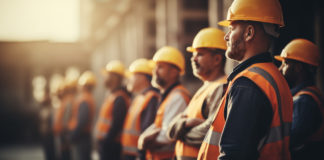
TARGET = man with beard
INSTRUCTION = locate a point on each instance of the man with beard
(112, 113)
(254, 118)
(142, 111)
(208, 61)
(170, 64)
(300, 59)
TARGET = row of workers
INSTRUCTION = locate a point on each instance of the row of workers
(253, 113)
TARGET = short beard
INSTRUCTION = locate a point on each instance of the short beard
(159, 81)
(237, 49)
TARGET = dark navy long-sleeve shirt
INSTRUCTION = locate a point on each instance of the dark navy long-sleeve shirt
(148, 114)
(248, 115)
(83, 121)
(119, 113)
(306, 117)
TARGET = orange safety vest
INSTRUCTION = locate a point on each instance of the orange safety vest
(132, 126)
(58, 117)
(106, 114)
(88, 98)
(316, 95)
(275, 145)
(166, 152)
(183, 150)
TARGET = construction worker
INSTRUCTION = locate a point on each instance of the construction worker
(80, 124)
(170, 64)
(112, 113)
(46, 125)
(300, 59)
(143, 109)
(208, 61)
(58, 117)
(254, 118)
(67, 94)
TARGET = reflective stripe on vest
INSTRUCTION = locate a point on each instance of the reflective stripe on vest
(132, 125)
(317, 96)
(88, 98)
(167, 151)
(182, 150)
(104, 121)
(275, 144)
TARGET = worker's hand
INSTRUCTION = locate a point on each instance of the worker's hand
(183, 116)
(192, 122)
(147, 137)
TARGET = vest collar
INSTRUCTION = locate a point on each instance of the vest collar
(260, 58)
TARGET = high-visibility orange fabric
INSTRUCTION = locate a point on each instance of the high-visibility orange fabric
(183, 150)
(132, 126)
(106, 114)
(84, 97)
(168, 152)
(58, 117)
(316, 95)
(275, 145)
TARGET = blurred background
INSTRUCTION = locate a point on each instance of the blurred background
(41, 39)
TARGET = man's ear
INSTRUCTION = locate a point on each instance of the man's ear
(217, 59)
(249, 33)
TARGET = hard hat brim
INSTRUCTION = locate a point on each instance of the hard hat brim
(224, 23)
(190, 49)
(279, 58)
(105, 72)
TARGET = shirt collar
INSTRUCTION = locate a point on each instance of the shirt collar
(301, 86)
(260, 58)
(149, 89)
(167, 91)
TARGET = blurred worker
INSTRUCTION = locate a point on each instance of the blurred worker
(46, 125)
(67, 94)
(170, 64)
(142, 111)
(208, 61)
(112, 113)
(80, 124)
(257, 105)
(300, 59)
(58, 117)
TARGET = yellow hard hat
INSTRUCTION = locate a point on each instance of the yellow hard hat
(142, 65)
(170, 55)
(71, 83)
(87, 78)
(301, 50)
(115, 66)
(208, 38)
(267, 11)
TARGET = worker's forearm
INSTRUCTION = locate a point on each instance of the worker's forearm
(196, 135)
(176, 129)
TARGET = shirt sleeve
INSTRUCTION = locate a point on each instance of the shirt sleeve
(148, 115)
(176, 105)
(306, 120)
(83, 118)
(119, 113)
(248, 115)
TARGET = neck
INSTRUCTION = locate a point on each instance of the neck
(168, 85)
(143, 87)
(114, 87)
(215, 75)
